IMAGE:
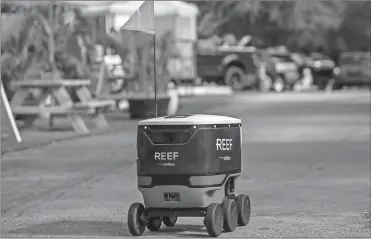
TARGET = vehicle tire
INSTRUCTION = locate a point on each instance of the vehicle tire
(244, 209)
(279, 84)
(233, 77)
(322, 83)
(321, 87)
(136, 227)
(214, 220)
(337, 86)
(291, 87)
(169, 221)
(230, 214)
(154, 223)
(267, 84)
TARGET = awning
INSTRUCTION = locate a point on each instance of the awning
(129, 7)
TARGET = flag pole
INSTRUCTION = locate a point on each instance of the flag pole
(155, 72)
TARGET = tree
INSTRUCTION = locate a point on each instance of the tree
(34, 41)
(299, 23)
(355, 28)
(217, 13)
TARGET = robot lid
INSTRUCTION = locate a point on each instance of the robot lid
(196, 119)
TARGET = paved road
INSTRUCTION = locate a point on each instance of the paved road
(307, 171)
(40, 134)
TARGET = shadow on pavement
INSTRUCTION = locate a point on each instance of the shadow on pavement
(181, 230)
(102, 228)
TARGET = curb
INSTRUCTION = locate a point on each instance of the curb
(203, 90)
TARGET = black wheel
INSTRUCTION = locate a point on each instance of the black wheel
(267, 84)
(233, 77)
(233, 196)
(230, 213)
(136, 227)
(322, 83)
(321, 87)
(214, 220)
(169, 221)
(337, 86)
(291, 87)
(154, 223)
(244, 209)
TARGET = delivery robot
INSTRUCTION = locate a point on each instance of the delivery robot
(187, 166)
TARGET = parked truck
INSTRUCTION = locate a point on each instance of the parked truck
(354, 70)
(228, 65)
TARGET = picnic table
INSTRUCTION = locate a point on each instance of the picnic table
(60, 90)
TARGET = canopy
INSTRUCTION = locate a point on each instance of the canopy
(78, 3)
(122, 10)
(129, 7)
(183, 8)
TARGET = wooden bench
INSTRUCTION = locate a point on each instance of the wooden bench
(95, 109)
(89, 107)
(93, 106)
(47, 83)
(64, 105)
(37, 110)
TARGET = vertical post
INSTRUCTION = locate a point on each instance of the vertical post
(154, 71)
(9, 113)
(51, 49)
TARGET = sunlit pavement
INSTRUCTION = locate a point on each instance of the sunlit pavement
(306, 169)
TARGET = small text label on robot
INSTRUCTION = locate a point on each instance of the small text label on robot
(223, 144)
(166, 156)
(225, 158)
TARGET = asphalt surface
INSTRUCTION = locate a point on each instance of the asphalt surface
(306, 169)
